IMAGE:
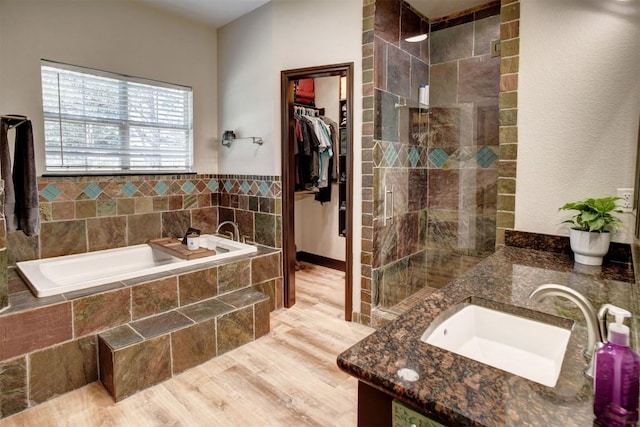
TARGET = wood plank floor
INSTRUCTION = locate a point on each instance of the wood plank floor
(286, 378)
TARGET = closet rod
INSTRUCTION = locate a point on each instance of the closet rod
(319, 110)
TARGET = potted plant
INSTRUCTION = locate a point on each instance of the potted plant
(590, 234)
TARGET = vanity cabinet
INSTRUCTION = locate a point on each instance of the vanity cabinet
(403, 416)
(377, 409)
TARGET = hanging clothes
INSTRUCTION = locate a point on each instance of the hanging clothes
(21, 187)
(315, 137)
(306, 159)
(324, 194)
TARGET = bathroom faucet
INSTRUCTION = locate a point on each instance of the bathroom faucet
(236, 231)
(594, 330)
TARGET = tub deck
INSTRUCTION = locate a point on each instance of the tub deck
(53, 276)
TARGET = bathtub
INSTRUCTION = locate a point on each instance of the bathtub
(53, 276)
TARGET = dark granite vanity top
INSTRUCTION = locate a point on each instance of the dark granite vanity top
(455, 390)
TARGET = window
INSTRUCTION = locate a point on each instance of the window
(99, 122)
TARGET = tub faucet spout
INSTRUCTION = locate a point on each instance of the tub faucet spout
(236, 231)
(593, 328)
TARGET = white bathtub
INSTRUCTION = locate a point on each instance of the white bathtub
(53, 276)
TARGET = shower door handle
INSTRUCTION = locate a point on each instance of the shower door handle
(387, 194)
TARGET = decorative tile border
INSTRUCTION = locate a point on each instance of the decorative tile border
(54, 189)
(251, 185)
(393, 154)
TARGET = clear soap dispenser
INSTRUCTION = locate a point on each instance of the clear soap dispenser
(616, 380)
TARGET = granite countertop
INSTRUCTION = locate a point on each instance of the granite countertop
(455, 390)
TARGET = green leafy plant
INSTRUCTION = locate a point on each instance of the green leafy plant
(594, 214)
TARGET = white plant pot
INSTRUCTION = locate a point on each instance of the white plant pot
(589, 247)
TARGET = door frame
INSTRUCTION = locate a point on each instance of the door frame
(287, 78)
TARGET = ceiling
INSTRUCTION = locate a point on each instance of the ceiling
(218, 13)
(439, 8)
(211, 12)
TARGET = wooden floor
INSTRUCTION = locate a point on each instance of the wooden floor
(287, 378)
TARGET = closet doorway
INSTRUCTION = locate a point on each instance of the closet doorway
(345, 150)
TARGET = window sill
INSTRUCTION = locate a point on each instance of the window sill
(83, 174)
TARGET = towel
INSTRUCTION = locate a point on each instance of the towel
(25, 183)
(5, 174)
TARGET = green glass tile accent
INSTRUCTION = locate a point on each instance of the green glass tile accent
(438, 157)
(245, 187)
(414, 156)
(161, 188)
(92, 190)
(390, 155)
(129, 189)
(228, 185)
(188, 187)
(50, 192)
(486, 157)
(263, 188)
(212, 185)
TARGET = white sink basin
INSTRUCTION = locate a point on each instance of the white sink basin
(524, 347)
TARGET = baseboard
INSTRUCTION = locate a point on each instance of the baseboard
(321, 260)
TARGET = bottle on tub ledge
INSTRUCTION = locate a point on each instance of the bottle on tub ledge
(616, 380)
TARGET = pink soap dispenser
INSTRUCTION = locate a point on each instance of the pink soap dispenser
(616, 380)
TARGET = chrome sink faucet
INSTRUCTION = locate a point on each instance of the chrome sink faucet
(594, 331)
(236, 231)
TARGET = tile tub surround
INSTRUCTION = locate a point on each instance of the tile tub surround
(83, 214)
(36, 332)
(458, 391)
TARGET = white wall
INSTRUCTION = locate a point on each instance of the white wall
(249, 101)
(283, 35)
(578, 106)
(118, 36)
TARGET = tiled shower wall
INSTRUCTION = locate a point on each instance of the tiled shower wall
(399, 151)
(82, 214)
(437, 167)
(463, 141)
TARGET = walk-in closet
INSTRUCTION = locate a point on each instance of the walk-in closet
(316, 165)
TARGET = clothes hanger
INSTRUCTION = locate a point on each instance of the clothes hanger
(22, 119)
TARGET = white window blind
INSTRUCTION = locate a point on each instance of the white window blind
(99, 122)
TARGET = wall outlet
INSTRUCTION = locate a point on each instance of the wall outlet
(626, 199)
